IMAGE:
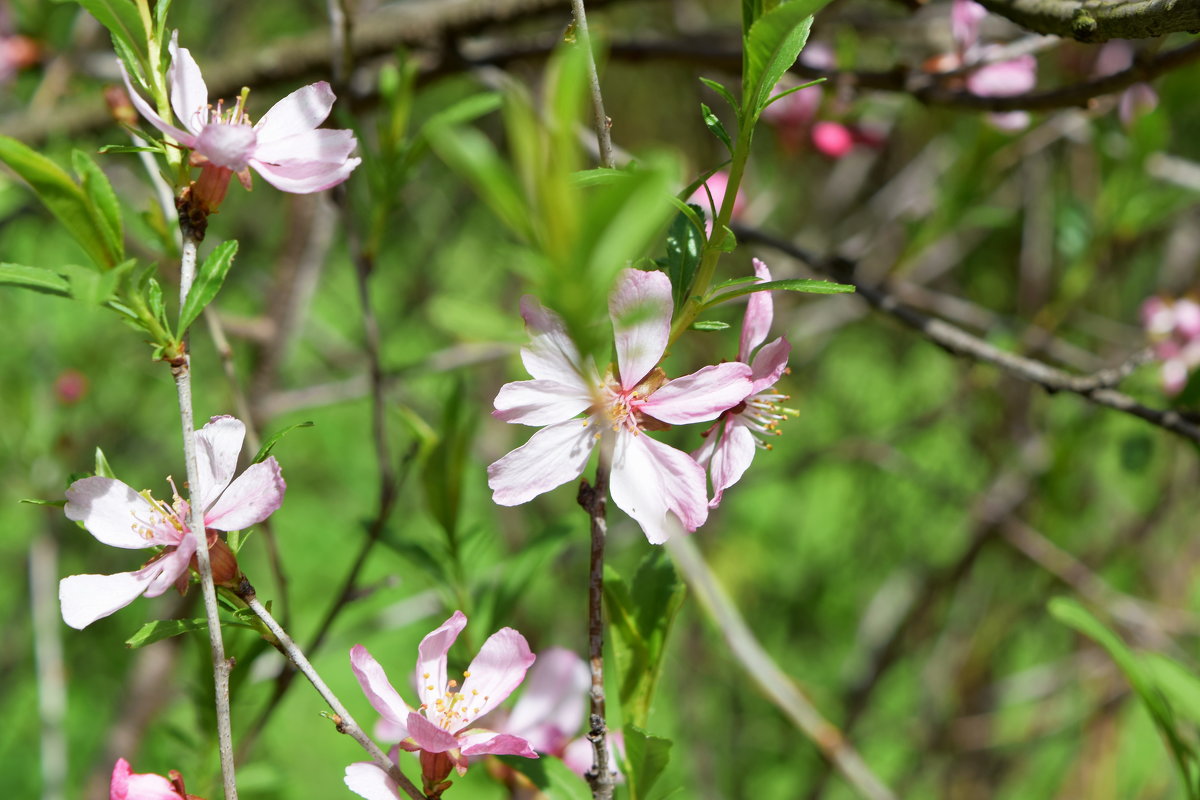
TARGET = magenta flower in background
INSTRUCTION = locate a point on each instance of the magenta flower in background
(729, 445)
(661, 488)
(1174, 328)
(120, 517)
(439, 729)
(129, 785)
(285, 146)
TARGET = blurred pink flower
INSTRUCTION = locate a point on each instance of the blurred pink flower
(659, 486)
(1174, 328)
(710, 194)
(439, 729)
(285, 146)
(1117, 56)
(129, 785)
(120, 517)
(832, 139)
(1005, 79)
(730, 444)
(965, 18)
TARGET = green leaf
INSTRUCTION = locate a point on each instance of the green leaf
(270, 443)
(103, 201)
(710, 325)
(442, 476)
(641, 613)
(161, 629)
(715, 127)
(103, 469)
(793, 90)
(62, 196)
(208, 282)
(794, 285)
(35, 502)
(161, 7)
(551, 777)
(646, 757)
(720, 89)
(121, 19)
(1178, 683)
(772, 44)
(128, 148)
(685, 245)
(470, 153)
(35, 278)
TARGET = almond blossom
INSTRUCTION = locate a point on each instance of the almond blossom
(730, 444)
(129, 785)
(661, 488)
(439, 730)
(1174, 328)
(120, 517)
(997, 79)
(285, 146)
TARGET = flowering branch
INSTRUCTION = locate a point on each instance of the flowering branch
(342, 718)
(181, 371)
(594, 500)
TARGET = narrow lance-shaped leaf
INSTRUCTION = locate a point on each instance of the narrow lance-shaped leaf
(122, 20)
(35, 278)
(772, 45)
(270, 443)
(209, 279)
(646, 758)
(103, 201)
(805, 285)
(715, 126)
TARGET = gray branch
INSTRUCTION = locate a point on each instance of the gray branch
(1101, 20)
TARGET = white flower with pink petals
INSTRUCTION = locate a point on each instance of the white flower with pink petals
(285, 146)
(1174, 328)
(439, 730)
(129, 785)
(731, 443)
(120, 517)
(659, 486)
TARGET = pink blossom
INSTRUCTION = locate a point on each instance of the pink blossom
(1117, 56)
(439, 730)
(730, 444)
(832, 138)
(965, 18)
(711, 194)
(129, 785)
(1005, 79)
(659, 486)
(1174, 328)
(285, 146)
(120, 517)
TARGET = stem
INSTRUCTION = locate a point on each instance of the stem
(603, 123)
(594, 500)
(342, 718)
(692, 306)
(181, 370)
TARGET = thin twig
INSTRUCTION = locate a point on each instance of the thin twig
(603, 123)
(594, 500)
(342, 718)
(1095, 388)
(772, 681)
(181, 370)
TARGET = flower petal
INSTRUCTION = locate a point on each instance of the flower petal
(324, 144)
(552, 456)
(540, 402)
(111, 511)
(378, 689)
(302, 110)
(769, 365)
(255, 495)
(760, 312)
(431, 659)
(701, 396)
(368, 780)
(550, 354)
(183, 137)
(731, 458)
(551, 706)
(305, 177)
(87, 598)
(166, 570)
(430, 737)
(640, 308)
(218, 444)
(189, 93)
(129, 785)
(481, 743)
(495, 673)
(657, 485)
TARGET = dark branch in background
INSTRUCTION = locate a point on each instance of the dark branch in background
(1096, 388)
(1101, 20)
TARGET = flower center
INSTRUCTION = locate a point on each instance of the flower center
(762, 413)
(452, 711)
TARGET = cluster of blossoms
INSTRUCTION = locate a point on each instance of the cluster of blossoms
(120, 517)
(662, 488)
(992, 78)
(1174, 328)
(285, 146)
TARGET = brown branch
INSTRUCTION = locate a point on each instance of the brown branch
(1101, 20)
(1095, 388)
